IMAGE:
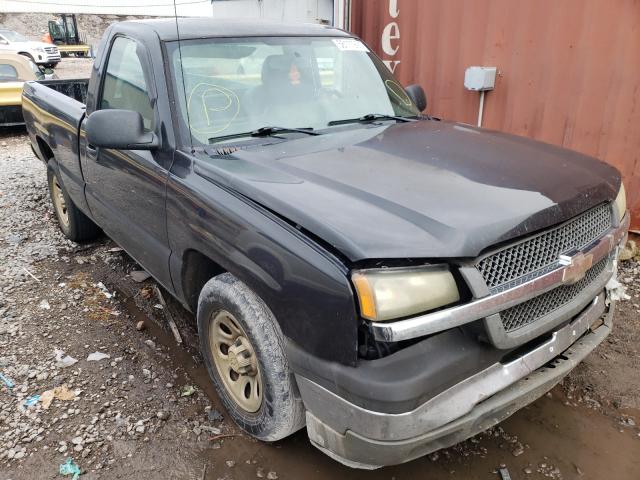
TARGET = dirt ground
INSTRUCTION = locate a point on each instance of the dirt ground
(148, 409)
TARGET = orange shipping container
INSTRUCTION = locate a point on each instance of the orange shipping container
(568, 71)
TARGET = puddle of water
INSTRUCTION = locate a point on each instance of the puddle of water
(581, 442)
(188, 372)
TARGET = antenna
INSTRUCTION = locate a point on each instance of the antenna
(184, 86)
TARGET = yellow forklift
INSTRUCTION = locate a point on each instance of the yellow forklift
(63, 32)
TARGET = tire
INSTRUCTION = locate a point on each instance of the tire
(74, 224)
(281, 411)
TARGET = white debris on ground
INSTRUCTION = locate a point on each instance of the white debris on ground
(630, 251)
(628, 272)
(617, 291)
(73, 382)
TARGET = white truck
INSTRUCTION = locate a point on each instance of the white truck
(40, 53)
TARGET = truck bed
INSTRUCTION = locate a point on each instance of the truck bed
(48, 105)
(53, 112)
(11, 110)
(54, 100)
(74, 88)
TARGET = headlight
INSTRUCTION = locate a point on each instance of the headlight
(621, 202)
(394, 293)
(39, 49)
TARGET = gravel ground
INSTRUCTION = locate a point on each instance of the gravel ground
(54, 314)
(74, 68)
(149, 409)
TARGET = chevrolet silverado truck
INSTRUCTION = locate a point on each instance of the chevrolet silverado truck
(394, 282)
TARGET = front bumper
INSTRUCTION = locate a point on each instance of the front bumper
(11, 115)
(47, 58)
(368, 439)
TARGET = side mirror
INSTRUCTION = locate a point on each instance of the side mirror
(417, 96)
(119, 129)
(4, 42)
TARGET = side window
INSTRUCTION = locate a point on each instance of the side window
(124, 84)
(8, 73)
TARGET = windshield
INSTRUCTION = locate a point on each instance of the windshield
(13, 36)
(233, 86)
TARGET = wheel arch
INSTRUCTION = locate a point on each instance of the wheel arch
(304, 286)
(197, 269)
(45, 150)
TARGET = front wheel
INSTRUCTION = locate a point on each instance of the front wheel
(243, 350)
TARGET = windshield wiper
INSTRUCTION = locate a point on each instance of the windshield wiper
(369, 118)
(263, 132)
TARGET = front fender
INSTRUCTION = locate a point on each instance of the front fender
(306, 288)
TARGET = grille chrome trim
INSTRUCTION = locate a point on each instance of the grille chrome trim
(526, 313)
(538, 254)
(491, 304)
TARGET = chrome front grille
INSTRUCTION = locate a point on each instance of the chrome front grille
(539, 254)
(527, 312)
(51, 49)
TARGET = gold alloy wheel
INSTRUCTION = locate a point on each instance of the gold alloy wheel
(236, 361)
(59, 203)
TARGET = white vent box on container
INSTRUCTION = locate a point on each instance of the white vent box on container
(480, 78)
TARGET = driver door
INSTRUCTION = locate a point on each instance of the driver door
(125, 189)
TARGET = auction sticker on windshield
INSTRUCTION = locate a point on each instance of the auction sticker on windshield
(350, 44)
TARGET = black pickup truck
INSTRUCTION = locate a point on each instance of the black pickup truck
(394, 282)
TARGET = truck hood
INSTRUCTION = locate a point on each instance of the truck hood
(426, 189)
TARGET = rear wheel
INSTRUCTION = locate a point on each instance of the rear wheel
(74, 224)
(243, 349)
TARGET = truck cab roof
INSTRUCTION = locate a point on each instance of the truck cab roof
(204, 27)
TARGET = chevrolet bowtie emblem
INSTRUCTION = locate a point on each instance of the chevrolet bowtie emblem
(575, 267)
